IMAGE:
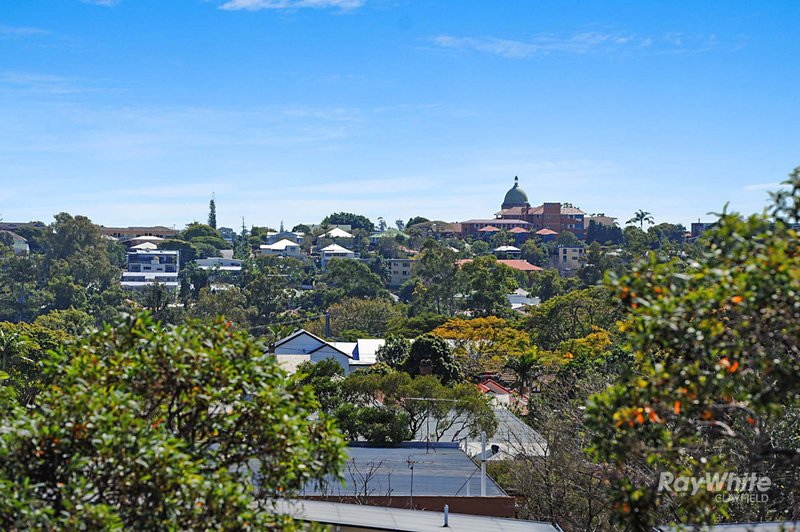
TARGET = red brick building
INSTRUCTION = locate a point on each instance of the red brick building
(558, 217)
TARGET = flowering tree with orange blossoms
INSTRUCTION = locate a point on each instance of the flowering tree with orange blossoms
(715, 386)
(483, 345)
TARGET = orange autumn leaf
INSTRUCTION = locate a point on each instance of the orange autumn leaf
(737, 299)
(652, 415)
(677, 408)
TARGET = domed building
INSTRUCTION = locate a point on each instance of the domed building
(515, 197)
(555, 217)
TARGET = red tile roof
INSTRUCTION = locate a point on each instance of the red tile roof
(546, 231)
(497, 221)
(489, 228)
(517, 230)
(515, 264)
(522, 211)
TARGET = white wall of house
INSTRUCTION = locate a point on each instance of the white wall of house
(304, 347)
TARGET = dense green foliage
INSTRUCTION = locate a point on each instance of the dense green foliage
(144, 427)
(715, 380)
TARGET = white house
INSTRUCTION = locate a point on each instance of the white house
(220, 263)
(363, 352)
(510, 251)
(146, 267)
(338, 233)
(334, 251)
(282, 248)
(519, 299)
(302, 346)
(18, 243)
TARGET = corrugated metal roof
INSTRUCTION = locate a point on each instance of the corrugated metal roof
(439, 470)
(383, 518)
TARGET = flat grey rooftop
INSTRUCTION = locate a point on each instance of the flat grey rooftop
(439, 469)
(382, 518)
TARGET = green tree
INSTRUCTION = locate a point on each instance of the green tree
(641, 217)
(371, 317)
(417, 325)
(573, 315)
(230, 303)
(567, 239)
(23, 349)
(212, 214)
(351, 278)
(267, 294)
(77, 266)
(637, 241)
(215, 242)
(488, 282)
(143, 427)
(72, 321)
(414, 220)
(159, 301)
(431, 353)
(675, 233)
(324, 378)
(432, 410)
(437, 271)
(597, 263)
(526, 367)
(205, 250)
(188, 251)
(70, 235)
(535, 253)
(548, 283)
(196, 230)
(604, 234)
(377, 425)
(714, 385)
(479, 248)
(22, 297)
(356, 221)
(394, 352)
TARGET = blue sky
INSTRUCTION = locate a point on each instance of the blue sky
(135, 111)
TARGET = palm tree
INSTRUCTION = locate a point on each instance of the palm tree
(526, 367)
(640, 217)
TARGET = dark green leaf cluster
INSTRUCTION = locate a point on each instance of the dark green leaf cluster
(149, 427)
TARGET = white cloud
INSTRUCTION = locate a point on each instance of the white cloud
(20, 31)
(106, 3)
(576, 43)
(257, 5)
(37, 83)
(759, 187)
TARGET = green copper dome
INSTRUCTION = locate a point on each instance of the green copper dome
(515, 197)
